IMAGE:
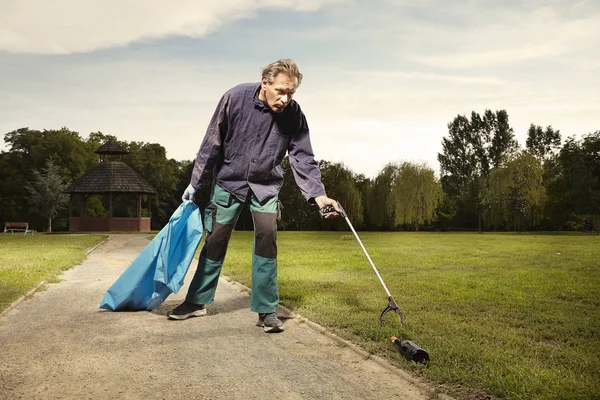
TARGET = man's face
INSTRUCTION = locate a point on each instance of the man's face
(277, 95)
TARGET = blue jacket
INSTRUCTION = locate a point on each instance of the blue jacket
(245, 143)
(160, 268)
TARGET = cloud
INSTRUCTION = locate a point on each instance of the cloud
(512, 35)
(366, 99)
(428, 77)
(74, 26)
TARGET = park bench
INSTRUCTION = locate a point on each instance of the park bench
(18, 227)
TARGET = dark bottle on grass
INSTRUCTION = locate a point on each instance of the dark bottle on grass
(411, 351)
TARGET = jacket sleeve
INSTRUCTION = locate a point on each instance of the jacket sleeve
(210, 153)
(304, 167)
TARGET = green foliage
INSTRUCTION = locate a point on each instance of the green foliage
(526, 193)
(94, 207)
(503, 143)
(28, 151)
(482, 173)
(477, 146)
(543, 143)
(580, 175)
(296, 214)
(459, 157)
(74, 156)
(66, 149)
(46, 192)
(515, 193)
(150, 161)
(446, 212)
(473, 147)
(379, 199)
(416, 195)
(510, 316)
(364, 186)
(340, 184)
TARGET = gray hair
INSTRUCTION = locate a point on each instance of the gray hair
(286, 66)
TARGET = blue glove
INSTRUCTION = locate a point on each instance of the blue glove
(188, 193)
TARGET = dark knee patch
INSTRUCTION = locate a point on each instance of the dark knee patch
(265, 234)
(217, 240)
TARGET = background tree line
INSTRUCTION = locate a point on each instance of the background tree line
(487, 181)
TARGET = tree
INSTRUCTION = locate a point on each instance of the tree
(379, 198)
(543, 143)
(10, 185)
(97, 139)
(526, 192)
(65, 147)
(496, 213)
(46, 192)
(29, 150)
(364, 184)
(416, 195)
(516, 194)
(459, 157)
(151, 162)
(503, 142)
(473, 147)
(580, 171)
(340, 183)
(446, 212)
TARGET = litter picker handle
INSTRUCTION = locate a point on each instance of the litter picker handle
(330, 210)
(391, 303)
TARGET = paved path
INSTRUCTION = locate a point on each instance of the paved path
(59, 345)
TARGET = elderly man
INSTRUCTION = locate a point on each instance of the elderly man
(252, 129)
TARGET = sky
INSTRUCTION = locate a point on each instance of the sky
(382, 79)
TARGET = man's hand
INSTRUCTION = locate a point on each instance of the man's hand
(323, 201)
(188, 193)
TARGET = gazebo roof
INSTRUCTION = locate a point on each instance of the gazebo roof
(111, 177)
(111, 148)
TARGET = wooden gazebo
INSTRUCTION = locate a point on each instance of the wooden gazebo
(110, 179)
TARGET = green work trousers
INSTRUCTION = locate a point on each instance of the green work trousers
(220, 217)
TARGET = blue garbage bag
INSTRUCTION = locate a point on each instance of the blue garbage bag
(160, 268)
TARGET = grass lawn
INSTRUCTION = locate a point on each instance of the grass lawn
(25, 261)
(516, 316)
(509, 315)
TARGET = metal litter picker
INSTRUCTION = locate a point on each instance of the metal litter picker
(409, 350)
(392, 306)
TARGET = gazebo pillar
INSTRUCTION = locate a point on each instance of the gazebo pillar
(110, 211)
(139, 206)
(83, 205)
